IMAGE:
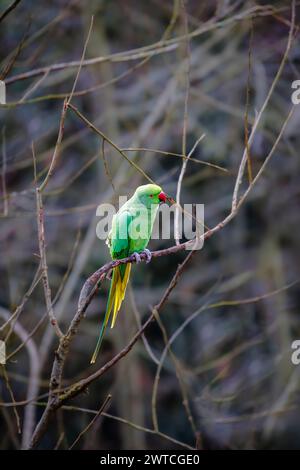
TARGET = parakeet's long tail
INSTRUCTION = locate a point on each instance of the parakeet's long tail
(116, 295)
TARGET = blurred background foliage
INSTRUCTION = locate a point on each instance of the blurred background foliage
(234, 358)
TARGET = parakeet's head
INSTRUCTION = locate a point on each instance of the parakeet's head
(150, 194)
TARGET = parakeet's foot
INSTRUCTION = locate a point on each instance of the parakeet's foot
(148, 255)
(137, 257)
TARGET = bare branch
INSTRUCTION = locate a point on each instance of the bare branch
(88, 427)
(10, 8)
(259, 115)
(156, 48)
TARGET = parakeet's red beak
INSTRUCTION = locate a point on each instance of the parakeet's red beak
(162, 197)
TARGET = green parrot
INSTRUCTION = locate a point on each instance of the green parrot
(130, 233)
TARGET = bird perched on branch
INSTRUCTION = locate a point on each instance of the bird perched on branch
(130, 233)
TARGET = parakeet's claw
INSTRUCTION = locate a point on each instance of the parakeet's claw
(148, 255)
(137, 257)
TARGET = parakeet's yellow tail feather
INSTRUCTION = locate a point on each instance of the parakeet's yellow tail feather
(116, 295)
(120, 292)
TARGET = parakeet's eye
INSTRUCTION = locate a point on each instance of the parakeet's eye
(151, 195)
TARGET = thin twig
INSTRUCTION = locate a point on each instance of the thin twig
(185, 123)
(179, 375)
(246, 121)
(18, 421)
(34, 87)
(14, 317)
(56, 152)
(42, 250)
(156, 48)
(88, 427)
(106, 167)
(33, 383)
(180, 155)
(81, 61)
(10, 8)
(109, 141)
(178, 192)
(259, 115)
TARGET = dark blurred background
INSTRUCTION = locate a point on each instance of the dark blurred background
(228, 381)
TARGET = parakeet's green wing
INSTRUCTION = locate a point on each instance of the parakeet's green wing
(120, 240)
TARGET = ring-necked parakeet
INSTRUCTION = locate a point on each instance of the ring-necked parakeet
(130, 233)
